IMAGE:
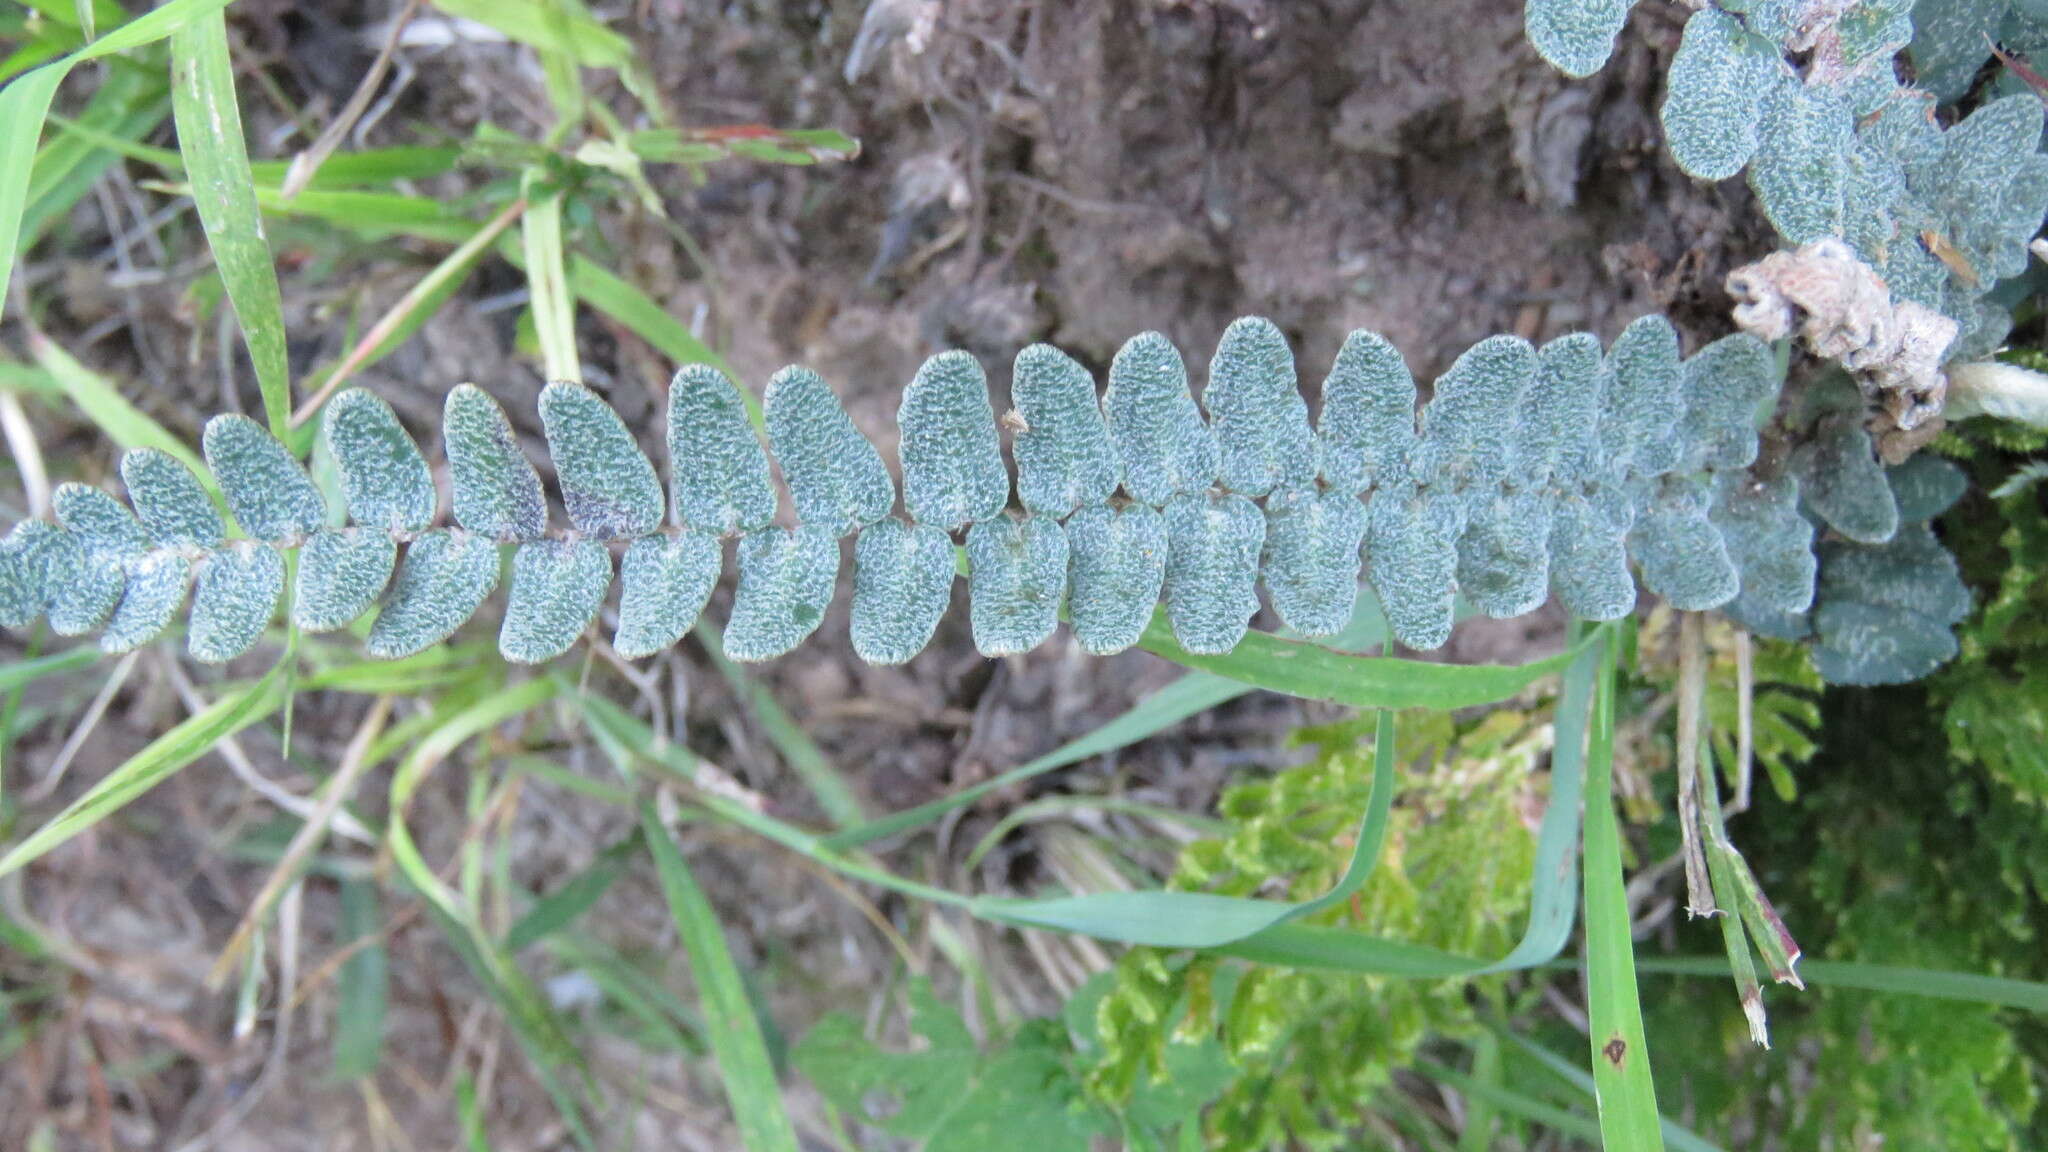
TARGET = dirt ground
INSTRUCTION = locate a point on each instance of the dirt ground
(1060, 170)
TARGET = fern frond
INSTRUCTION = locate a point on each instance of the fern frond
(1530, 472)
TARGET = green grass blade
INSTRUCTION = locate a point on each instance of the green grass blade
(361, 986)
(1192, 694)
(26, 102)
(156, 763)
(626, 303)
(554, 310)
(1966, 987)
(1681, 1138)
(575, 896)
(1514, 1103)
(734, 1032)
(1315, 672)
(1621, 1057)
(16, 673)
(129, 105)
(1201, 919)
(102, 403)
(223, 191)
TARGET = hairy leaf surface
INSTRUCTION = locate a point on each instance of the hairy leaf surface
(1724, 384)
(608, 486)
(1411, 552)
(1212, 568)
(172, 506)
(1064, 457)
(786, 580)
(1885, 610)
(1016, 582)
(664, 583)
(269, 494)
(384, 479)
(1468, 427)
(1642, 401)
(1682, 556)
(442, 581)
(1504, 554)
(1116, 566)
(718, 472)
(902, 584)
(108, 540)
(1367, 427)
(1312, 558)
(1713, 95)
(236, 599)
(342, 571)
(1844, 484)
(155, 591)
(1162, 442)
(1801, 168)
(557, 588)
(497, 493)
(1576, 36)
(953, 470)
(836, 477)
(1768, 541)
(1259, 417)
(1589, 561)
(37, 559)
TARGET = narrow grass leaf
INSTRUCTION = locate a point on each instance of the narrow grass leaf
(125, 424)
(554, 309)
(748, 1075)
(25, 103)
(1621, 1057)
(217, 163)
(361, 986)
(156, 763)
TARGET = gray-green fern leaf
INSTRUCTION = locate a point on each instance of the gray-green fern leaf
(1530, 473)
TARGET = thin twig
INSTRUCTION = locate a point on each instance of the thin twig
(28, 454)
(245, 770)
(414, 297)
(86, 725)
